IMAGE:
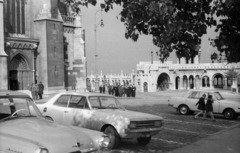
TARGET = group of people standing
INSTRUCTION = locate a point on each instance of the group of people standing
(36, 90)
(122, 90)
(205, 108)
(119, 90)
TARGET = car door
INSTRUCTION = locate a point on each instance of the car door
(77, 112)
(192, 99)
(58, 108)
(216, 103)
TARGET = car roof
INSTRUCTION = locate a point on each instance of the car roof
(202, 90)
(10, 93)
(85, 94)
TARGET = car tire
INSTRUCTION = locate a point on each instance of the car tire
(113, 136)
(143, 141)
(229, 114)
(183, 110)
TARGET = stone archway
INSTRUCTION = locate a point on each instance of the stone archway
(145, 87)
(205, 81)
(20, 74)
(177, 82)
(218, 80)
(163, 81)
(191, 82)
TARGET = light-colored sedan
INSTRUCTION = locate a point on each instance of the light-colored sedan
(103, 113)
(187, 104)
(24, 129)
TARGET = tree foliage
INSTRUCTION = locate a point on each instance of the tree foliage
(228, 41)
(178, 25)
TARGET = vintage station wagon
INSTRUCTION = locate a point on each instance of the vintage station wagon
(187, 104)
(103, 113)
(23, 129)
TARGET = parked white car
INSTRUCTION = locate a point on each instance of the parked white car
(187, 104)
(102, 113)
(23, 129)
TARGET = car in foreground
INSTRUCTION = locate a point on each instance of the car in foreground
(24, 129)
(103, 113)
(187, 104)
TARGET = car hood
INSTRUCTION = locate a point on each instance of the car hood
(131, 115)
(55, 137)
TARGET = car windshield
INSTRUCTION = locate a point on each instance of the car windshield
(218, 96)
(18, 107)
(104, 102)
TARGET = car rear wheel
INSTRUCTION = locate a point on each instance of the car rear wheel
(183, 110)
(229, 114)
(113, 136)
(142, 141)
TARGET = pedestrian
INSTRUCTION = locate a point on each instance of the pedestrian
(103, 89)
(36, 89)
(201, 107)
(209, 107)
(32, 91)
(40, 89)
(134, 91)
(100, 88)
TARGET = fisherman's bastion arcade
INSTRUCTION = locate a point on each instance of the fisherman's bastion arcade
(156, 76)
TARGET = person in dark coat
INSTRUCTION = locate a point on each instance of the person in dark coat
(100, 88)
(209, 107)
(103, 89)
(201, 107)
(40, 89)
(134, 91)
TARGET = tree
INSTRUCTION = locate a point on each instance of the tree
(177, 25)
(228, 41)
(231, 74)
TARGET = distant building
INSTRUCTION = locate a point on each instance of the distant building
(41, 40)
(183, 75)
(94, 81)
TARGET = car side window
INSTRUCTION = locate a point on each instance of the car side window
(193, 95)
(62, 101)
(78, 102)
(94, 101)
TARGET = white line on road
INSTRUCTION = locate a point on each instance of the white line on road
(168, 141)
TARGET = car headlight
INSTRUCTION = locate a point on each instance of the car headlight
(105, 142)
(41, 150)
(132, 126)
(158, 123)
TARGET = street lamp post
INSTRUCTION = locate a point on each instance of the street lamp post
(151, 57)
(96, 53)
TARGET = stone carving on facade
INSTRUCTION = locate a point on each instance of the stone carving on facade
(68, 30)
(47, 13)
(21, 45)
(17, 35)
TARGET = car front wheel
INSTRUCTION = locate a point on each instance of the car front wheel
(183, 109)
(142, 141)
(113, 136)
(229, 114)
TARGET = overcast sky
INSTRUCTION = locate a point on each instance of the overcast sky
(115, 52)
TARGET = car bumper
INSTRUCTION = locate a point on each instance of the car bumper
(140, 132)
